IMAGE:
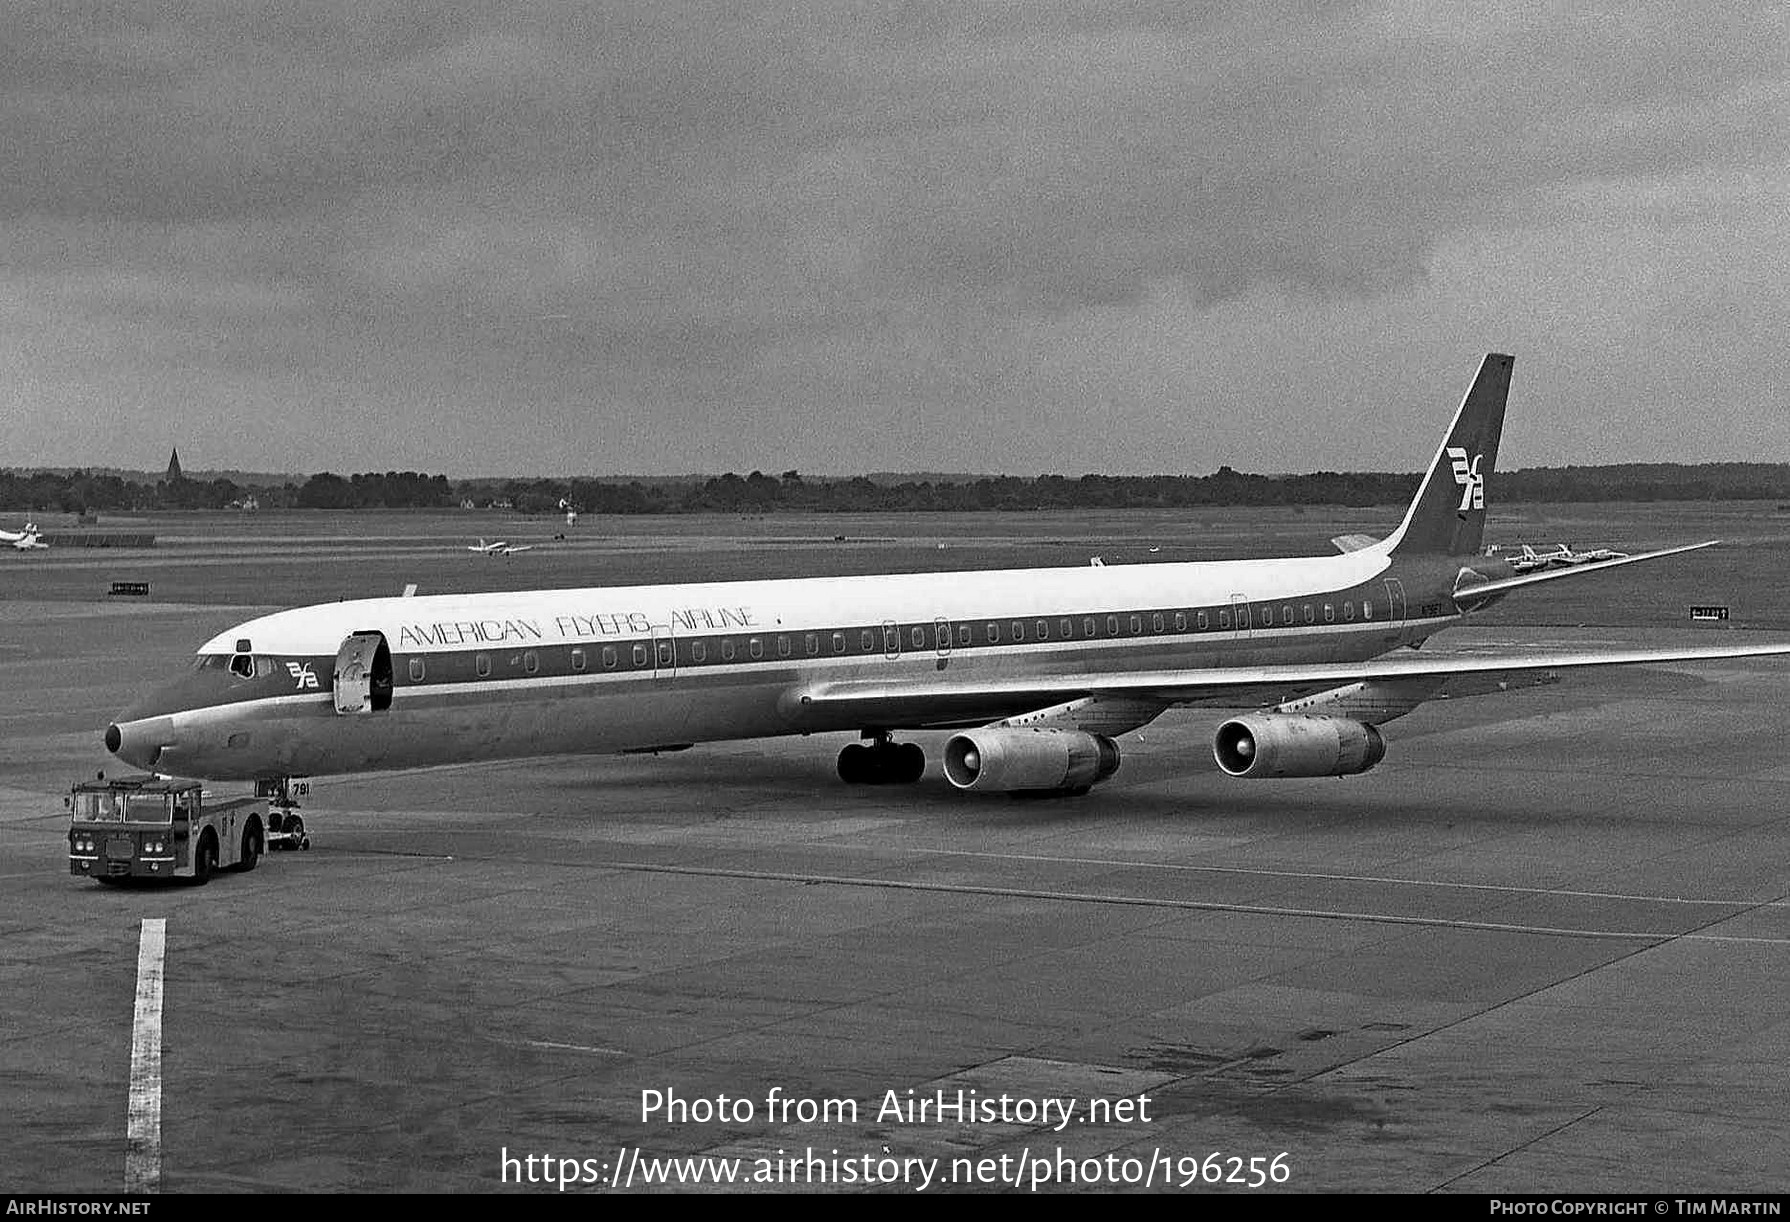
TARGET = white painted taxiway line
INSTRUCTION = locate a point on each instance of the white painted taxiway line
(143, 1121)
(1150, 901)
(1315, 876)
(550, 1044)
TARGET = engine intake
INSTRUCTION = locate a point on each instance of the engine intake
(1272, 745)
(1005, 760)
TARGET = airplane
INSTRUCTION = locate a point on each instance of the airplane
(1035, 673)
(25, 540)
(1596, 554)
(499, 548)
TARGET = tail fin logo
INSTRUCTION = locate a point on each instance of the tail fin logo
(1467, 475)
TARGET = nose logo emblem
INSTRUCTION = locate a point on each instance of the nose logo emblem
(301, 674)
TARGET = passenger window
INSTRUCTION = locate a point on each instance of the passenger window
(578, 659)
(1112, 625)
(1329, 614)
(1349, 611)
(1367, 608)
(1265, 616)
(867, 641)
(1089, 627)
(1308, 614)
(1044, 630)
(1180, 621)
(839, 642)
(782, 645)
(1200, 621)
(608, 657)
(482, 664)
(1019, 630)
(964, 636)
(640, 655)
(918, 637)
(1067, 629)
(416, 670)
(755, 647)
(1224, 619)
(531, 662)
(1286, 613)
(811, 643)
(993, 632)
(1137, 625)
(1156, 622)
(727, 649)
(699, 651)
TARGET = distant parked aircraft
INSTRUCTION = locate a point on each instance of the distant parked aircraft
(499, 547)
(25, 540)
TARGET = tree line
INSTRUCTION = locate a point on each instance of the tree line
(78, 491)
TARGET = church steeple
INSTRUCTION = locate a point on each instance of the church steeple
(174, 476)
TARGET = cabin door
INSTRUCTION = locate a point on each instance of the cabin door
(363, 676)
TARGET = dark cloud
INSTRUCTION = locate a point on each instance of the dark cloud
(700, 235)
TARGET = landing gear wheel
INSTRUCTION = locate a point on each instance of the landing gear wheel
(884, 763)
(910, 763)
(855, 765)
(204, 863)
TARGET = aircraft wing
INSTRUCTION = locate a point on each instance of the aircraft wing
(946, 703)
(1483, 590)
(1352, 543)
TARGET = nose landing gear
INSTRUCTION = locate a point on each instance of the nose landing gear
(881, 762)
(285, 826)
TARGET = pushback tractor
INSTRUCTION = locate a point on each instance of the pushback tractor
(154, 827)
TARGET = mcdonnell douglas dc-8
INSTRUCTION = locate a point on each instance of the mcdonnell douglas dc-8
(1036, 671)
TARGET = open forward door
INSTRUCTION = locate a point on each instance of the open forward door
(363, 679)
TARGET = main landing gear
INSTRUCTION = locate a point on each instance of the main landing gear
(881, 762)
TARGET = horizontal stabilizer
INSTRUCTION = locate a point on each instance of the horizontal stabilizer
(1480, 591)
(1353, 543)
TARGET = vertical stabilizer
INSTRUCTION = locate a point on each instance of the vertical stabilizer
(1447, 517)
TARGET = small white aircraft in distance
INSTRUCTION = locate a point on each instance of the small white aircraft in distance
(1597, 553)
(499, 547)
(24, 540)
(1032, 674)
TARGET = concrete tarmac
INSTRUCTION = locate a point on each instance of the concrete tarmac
(1544, 947)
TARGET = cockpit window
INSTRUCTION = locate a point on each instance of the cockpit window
(242, 665)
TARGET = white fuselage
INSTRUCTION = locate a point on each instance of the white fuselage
(505, 675)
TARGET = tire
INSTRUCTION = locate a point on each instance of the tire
(910, 764)
(251, 848)
(854, 765)
(205, 860)
(295, 827)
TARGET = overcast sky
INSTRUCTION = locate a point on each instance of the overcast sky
(580, 238)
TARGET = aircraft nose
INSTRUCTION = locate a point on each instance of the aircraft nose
(140, 743)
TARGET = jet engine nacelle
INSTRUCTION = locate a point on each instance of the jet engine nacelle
(1007, 760)
(1270, 744)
